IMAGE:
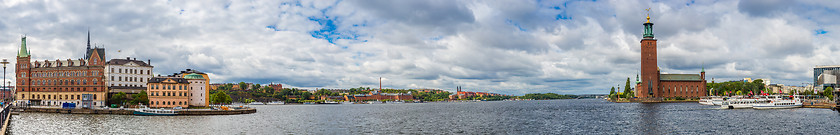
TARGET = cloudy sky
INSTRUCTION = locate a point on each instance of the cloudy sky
(508, 47)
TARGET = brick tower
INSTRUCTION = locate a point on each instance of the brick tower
(650, 70)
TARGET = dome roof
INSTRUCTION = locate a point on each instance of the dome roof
(193, 76)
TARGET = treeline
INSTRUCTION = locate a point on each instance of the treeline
(546, 96)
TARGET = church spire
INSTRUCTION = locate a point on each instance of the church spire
(23, 51)
(88, 40)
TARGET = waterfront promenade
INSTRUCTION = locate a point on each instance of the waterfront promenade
(130, 111)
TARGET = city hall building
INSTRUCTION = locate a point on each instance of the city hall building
(653, 84)
(54, 82)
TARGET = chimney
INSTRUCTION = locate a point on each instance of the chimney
(135, 58)
(127, 58)
(150, 62)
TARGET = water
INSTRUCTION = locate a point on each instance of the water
(586, 116)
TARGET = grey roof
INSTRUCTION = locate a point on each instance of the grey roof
(680, 77)
(125, 61)
(161, 79)
(100, 51)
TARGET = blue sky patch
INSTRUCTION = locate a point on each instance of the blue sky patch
(820, 32)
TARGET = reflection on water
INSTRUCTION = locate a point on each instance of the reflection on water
(649, 124)
(586, 116)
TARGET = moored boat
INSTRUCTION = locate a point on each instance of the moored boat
(779, 102)
(711, 101)
(276, 103)
(741, 103)
(256, 103)
(155, 112)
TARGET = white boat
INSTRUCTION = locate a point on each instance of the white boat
(146, 111)
(374, 102)
(711, 101)
(741, 103)
(394, 102)
(276, 103)
(256, 103)
(780, 102)
(346, 102)
(330, 102)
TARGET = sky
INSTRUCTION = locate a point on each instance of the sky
(500, 46)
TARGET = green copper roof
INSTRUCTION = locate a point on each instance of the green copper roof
(680, 77)
(193, 76)
(23, 52)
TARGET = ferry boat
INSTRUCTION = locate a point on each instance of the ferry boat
(374, 102)
(146, 111)
(780, 102)
(347, 102)
(256, 103)
(276, 103)
(741, 103)
(711, 101)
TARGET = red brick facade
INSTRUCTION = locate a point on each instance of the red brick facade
(652, 84)
(51, 83)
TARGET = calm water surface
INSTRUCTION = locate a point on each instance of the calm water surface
(585, 116)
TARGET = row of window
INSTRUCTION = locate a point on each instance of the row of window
(167, 103)
(168, 94)
(132, 71)
(684, 89)
(62, 89)
(168, 87)
(62, 82)
(58, 97)
(129, 79)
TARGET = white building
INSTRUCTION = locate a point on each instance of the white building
(127, 75)
(197, 89)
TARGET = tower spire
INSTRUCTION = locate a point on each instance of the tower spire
(648, 26)
(23, 51)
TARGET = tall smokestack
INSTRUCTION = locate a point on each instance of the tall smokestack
(380, 83)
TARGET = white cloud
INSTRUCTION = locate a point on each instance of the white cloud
(510, 47)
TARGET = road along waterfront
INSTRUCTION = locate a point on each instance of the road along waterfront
(577, 116)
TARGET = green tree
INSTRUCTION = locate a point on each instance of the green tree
(243, 86)
(220, 98)
(612, 93)
(828, 93)
(118, 98)
(141, 97)
(627, 92)
(256, 87)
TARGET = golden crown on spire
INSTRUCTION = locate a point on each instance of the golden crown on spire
(648, 15)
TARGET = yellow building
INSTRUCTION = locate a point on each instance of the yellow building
(183, 74)
(168, 92)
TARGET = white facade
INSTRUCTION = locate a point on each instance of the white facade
(197, 92)
(127, 73)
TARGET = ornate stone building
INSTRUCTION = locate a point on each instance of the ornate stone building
(54, 82)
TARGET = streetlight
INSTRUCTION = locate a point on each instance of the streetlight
(4, 62)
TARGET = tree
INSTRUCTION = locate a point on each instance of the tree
(828, 93)
(255, 87)
(243, 86)
(627, 92)
(220, 98)
(118, 98)
(612, 93)
(140, 98)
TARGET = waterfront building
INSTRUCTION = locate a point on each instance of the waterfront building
(198, 90)
(826, 76)
(127, 75)
(376, 96)
(53, 82)
(277, 87)
(167, 92)
(654, 84)
(206, 83)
